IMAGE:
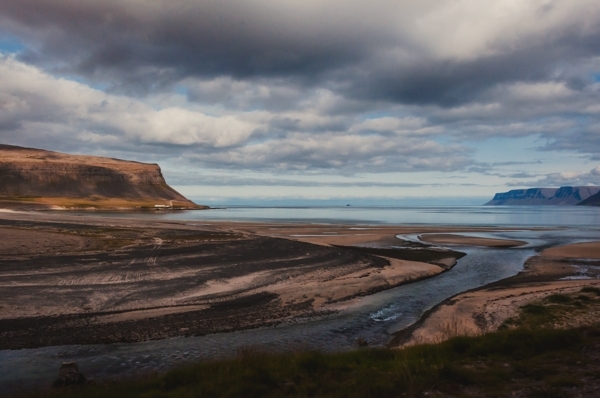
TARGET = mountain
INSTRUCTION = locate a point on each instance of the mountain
(43, 178)
(593, 200)
(544, 196)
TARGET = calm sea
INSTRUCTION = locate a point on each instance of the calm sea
(558, 216)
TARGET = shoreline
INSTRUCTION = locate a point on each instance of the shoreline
(486, 308)
(87, 205)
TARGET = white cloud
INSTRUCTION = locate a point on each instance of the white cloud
(31, 97)
(468, 29)
(342, 152)
(539, 92)
(36, 105)
(564, 178)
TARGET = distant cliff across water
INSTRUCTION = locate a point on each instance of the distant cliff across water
(563, 196)
(36, 178)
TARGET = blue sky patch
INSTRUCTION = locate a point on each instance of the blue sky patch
(10, 44)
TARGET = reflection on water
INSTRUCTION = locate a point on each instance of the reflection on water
(373, 318)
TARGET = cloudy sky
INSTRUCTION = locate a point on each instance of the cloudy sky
(254, 99)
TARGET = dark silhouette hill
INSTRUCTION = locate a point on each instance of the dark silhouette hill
(593, 200)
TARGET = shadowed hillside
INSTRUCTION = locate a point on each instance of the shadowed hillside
(591, 201)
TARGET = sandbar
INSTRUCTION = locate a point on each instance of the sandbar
(451, 239)
(577, 250)
(485, 309)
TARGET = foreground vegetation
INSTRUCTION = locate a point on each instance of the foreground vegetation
(529, 357)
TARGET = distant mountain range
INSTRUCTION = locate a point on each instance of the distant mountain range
(563, 196)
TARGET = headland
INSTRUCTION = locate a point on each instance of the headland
(36, 179)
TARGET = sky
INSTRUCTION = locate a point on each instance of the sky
(377, 101)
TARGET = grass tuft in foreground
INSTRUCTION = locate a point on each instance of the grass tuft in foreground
(544, 361)
(559, 311)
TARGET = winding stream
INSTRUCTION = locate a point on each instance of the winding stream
(373, 318)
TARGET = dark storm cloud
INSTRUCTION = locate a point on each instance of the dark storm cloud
(162, 40)
(448, 82)
(350, 49)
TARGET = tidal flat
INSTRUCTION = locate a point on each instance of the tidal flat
(73, 280)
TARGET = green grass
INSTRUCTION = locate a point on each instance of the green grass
(557, 310)
(558, 298)
(24, 198)
(490, 364)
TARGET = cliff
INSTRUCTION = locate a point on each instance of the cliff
(544, 196)
(48, 178)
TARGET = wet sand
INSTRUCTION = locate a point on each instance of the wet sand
(589, 250)
(450, 239)
(485, 309)
(66, 279)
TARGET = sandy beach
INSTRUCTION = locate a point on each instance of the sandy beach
(482, 310)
